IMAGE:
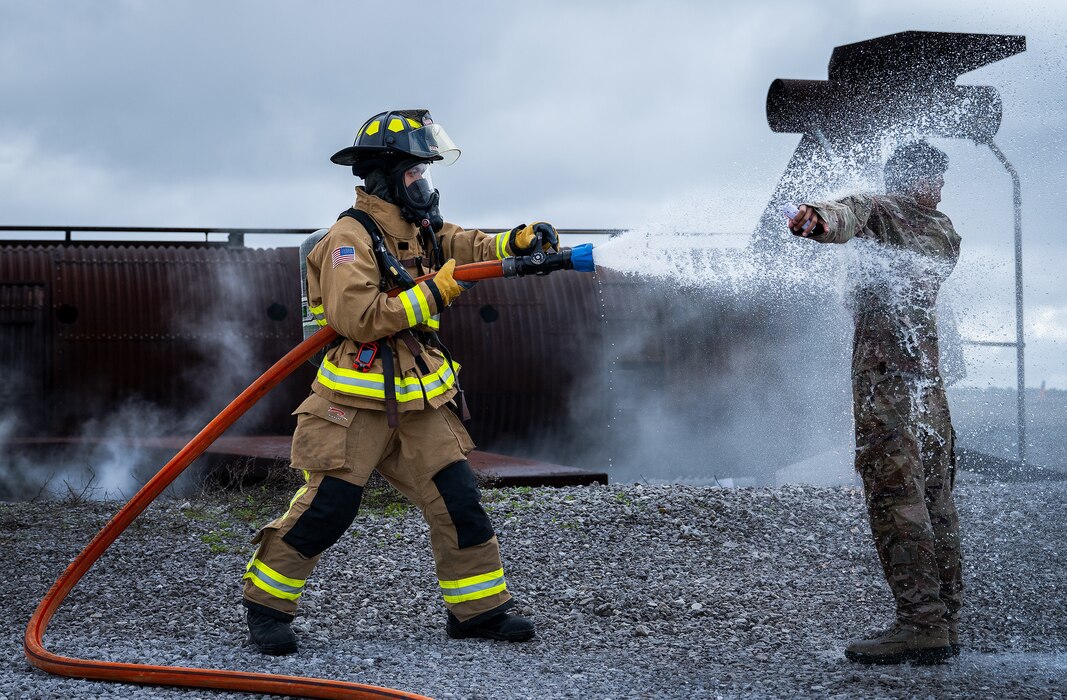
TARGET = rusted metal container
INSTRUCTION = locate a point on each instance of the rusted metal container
(91, 330)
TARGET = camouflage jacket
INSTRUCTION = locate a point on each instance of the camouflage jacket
(912, 250)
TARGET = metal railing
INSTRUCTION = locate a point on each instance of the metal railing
(234, 236)
(1019, 343)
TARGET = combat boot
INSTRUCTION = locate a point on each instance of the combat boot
(270, 633)
(899, 644)
(501, 626)
(954, 636)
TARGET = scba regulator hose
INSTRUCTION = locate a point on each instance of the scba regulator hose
(209, 678)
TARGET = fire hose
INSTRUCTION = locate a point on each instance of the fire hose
(578, 258)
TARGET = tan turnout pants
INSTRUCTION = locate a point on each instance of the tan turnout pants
(338, 447)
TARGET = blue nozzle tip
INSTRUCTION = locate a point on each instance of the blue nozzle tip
(582, 258)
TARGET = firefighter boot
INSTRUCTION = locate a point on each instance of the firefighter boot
(501, 626)
(899, 644)
(270, 633)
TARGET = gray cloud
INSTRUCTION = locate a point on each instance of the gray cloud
(601, 115)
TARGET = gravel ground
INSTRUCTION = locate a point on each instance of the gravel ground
(638, 592)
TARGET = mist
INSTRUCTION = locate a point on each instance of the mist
(106, 447)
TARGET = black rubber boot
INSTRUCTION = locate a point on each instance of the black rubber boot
(270, 633)
(501, 626)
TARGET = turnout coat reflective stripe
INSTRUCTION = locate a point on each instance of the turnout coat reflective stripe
(344, 292)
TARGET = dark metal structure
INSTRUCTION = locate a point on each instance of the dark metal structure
(90, 328)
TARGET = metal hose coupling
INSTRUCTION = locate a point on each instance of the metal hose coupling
(579, 258)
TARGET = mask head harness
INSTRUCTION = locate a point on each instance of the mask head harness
(413, 191)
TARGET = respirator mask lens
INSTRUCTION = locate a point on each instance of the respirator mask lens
(417, 186)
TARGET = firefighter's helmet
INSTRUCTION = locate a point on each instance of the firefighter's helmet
(401, 133)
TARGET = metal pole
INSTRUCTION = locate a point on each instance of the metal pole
(1019, 344)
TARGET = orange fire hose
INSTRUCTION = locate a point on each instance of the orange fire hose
(297, 686)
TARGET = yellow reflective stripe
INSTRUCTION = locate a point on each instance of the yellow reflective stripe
(439, 382)
(319, 312)
(367, 384)
(405, 299)
(424, 305)
(502, 245)
(471, 580)
(373, 385)
(434, 321)
(259, 583)
(416, 305)
(294, 582)
(299, 492)
(476, 595)
(269, 580)
(474, 587)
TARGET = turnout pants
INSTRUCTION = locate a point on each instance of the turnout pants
(337, 448)
(904, 454)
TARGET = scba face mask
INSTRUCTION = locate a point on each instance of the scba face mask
(418, 200)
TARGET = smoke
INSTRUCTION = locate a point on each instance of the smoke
(107, 458)
(112, 444)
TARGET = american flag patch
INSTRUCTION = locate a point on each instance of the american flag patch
(344, 254)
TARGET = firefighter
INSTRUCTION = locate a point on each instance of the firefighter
(386, 396)
(904, 435)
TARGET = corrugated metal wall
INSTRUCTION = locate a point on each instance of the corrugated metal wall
(563, 367)
(88, 327)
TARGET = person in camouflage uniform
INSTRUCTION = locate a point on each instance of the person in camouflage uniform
(904, 435)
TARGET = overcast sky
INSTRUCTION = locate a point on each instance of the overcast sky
(588, 115)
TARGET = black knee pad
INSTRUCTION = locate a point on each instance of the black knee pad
(331, 512)
(463, 501)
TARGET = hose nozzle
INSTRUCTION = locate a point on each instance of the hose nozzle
(578, 258)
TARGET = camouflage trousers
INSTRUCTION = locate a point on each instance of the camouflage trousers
(904, 454)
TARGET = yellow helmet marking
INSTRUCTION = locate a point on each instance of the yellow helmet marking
(395, 124)
(372, 128)
(413, 124)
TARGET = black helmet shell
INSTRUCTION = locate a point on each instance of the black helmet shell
(408, 133)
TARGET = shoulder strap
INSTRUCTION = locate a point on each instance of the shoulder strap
(368, 223)
(389, 268)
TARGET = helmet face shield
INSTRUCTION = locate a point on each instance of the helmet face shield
(399, 133)
(431, 141)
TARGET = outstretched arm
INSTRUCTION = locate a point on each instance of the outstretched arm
(832, 222)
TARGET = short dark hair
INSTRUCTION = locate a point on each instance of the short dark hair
(911, 162)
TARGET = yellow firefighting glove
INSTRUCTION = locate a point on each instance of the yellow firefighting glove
(524, 239)
(446, 284)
